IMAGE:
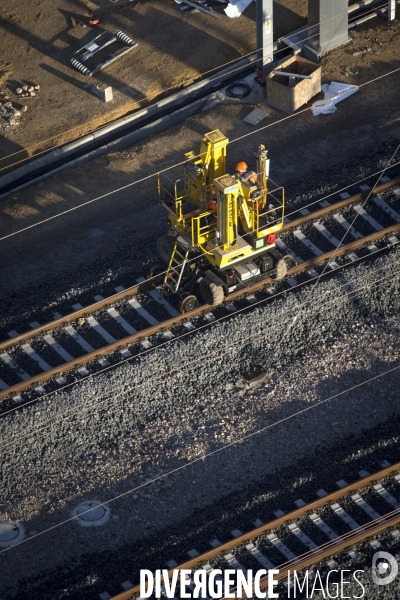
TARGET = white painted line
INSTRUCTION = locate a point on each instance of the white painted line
(124, 324)
(385, 495)
(323, 526)
(302, 536)
(346, 225)
(57, 348)
(263, 560)
(360, 211)
(158, 298)
(273, 538)
(34, 356)
(300, 236)
(365, 506)
(78, 339)
(15, 366)
(3, 385)
(344, 516)
(327, 235)
(282, 246)
(100, 330)
(142, 311)
(386, 208)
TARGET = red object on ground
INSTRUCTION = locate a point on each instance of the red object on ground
(95, 22)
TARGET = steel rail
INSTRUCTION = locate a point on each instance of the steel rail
(332, 208)
(288, 518)
(142, 287)
(168, 323)
(351, 540)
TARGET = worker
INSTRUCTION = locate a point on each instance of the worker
(245, 174)
(212, 204)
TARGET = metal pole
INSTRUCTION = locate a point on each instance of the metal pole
(265, 36)
(391, 10)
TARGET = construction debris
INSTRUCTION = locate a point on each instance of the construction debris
(236, 7)
(9, 117)
(334, 92)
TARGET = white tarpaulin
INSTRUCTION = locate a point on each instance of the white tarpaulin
(334, 92)
(236, 7)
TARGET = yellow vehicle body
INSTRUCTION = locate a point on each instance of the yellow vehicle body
(225, 218)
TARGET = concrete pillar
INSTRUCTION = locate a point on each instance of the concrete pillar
(265, 36)
(328, 26)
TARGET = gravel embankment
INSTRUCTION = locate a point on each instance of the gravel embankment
(145, 427)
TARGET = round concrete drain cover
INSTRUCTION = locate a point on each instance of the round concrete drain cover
(91, 513)
(10, 533)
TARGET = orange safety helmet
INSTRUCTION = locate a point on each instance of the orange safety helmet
(241, 167)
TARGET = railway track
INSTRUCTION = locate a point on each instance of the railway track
(311, 534)
(140, 317)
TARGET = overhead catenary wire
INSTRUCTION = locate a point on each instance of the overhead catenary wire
(70, 414)
(174, 87)
(147, 177)
(205, 456)
(184, 335)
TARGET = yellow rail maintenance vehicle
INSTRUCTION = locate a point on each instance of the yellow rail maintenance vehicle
(223, 227)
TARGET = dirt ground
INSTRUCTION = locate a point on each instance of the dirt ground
(296, 145)
(37, 39)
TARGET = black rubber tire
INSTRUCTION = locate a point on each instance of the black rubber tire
(289, 260)
(165, 245)
(246, 89)
(212, 293)
(156, 275)
(189, 303)
(281, 270)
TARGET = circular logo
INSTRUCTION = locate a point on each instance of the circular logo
(384, 568)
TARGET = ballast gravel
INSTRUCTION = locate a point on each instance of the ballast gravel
(116, 431)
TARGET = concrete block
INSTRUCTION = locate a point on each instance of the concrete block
(106, 95)
(289, 99)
